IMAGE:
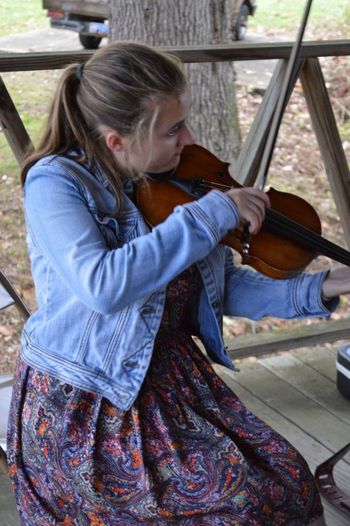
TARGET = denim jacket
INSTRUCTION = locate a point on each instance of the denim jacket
(101, 277)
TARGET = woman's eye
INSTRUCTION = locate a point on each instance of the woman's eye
(174, 131)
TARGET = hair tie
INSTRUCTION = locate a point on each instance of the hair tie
(79, 71)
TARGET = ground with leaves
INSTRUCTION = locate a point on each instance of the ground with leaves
(297, 168)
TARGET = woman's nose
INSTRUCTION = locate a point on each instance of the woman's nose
(187, 136)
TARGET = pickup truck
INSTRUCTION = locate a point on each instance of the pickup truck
(89, 18)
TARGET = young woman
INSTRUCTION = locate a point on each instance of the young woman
(117, 417)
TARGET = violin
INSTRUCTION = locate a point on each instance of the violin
(289, 239)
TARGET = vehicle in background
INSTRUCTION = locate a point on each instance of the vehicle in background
(241, 11)
(89, 18)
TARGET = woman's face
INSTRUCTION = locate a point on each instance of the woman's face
(160, 151)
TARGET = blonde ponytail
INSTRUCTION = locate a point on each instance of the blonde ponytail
(111, 91)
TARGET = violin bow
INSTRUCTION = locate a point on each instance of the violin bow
(287, 83)
(291, 70)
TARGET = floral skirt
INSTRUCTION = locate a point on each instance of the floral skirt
(187, 453)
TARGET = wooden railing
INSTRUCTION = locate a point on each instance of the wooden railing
(322, 116)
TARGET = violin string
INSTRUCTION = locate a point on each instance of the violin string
(317, 245)
(299, 233)
(305, 236)
(211, 185)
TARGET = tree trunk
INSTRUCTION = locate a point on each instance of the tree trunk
(214, 115)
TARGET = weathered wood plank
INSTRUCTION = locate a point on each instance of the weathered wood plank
(334, 517)
(328, 138)
(284, 340)
(249, 159)
(325, 366)
(5, 283)
(321, 425)
(314, 451)
(9, 514)
(213, 53)
(12, 125)
(309, 382)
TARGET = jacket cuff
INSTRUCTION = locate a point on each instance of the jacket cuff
(307, 295)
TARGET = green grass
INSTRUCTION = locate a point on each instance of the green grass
(24, 15)
(31, 93)
(287, 14)
(21, 15)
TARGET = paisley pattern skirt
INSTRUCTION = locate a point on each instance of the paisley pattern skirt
(187, 453)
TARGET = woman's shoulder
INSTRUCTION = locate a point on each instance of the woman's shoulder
(58, 161)
(56, 177)
(59, 169)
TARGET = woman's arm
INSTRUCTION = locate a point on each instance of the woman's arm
(63, 228)
(252, 295)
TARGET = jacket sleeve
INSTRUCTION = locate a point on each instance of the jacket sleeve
(250, 294)
(64, 230)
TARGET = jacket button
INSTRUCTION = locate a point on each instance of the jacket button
(147, 309)
(216, 304)
(131, 364)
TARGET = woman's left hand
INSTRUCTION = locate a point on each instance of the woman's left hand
(337, 282)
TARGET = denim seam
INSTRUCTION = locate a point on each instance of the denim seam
(86, 334)
(118, 330)
(202, 217)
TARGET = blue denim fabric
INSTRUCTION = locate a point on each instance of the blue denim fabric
(100, 276)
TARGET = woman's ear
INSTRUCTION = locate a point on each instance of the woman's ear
(114, 141)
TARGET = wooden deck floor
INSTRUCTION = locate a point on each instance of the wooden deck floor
(295, 392)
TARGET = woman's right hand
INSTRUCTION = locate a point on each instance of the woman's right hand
(251, 203)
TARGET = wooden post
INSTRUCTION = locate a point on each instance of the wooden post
(248, 162)
(249, 159)
(328, 138)
(12, 126)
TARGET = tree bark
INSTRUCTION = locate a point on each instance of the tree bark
(214, 115)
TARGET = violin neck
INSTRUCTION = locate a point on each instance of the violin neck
(280, 224)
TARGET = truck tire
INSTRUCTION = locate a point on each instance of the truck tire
(89, 42)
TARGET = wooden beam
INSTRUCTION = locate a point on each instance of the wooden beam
(285, 340)
(328, 138)
(12, 126)
(248, 162)
(17, 300)
(213, 53)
